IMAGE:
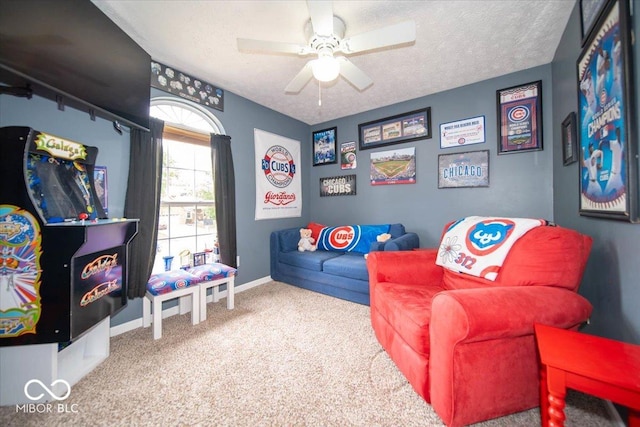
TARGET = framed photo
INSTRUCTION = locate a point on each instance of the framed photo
(393, 167)
(338, 186)
(100, 184)
(396, 129)
(569, 140)
(589, 12)
(462, 132)
(520, 118)
(324, 146)
(460, 170)
(606, 125)
(348, 155)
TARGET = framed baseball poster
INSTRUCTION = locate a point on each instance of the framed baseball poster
(324, 146)
(607, 147)
(520, 118)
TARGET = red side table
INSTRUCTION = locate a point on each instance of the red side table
(601, 367)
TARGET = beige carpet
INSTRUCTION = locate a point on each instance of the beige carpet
(284, 357)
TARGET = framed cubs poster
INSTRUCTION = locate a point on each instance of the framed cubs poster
(520, 118)
(608, 176)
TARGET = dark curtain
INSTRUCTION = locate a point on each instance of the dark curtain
(224, 184)
(143, 202)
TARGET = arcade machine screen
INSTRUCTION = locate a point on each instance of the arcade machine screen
(61, 188)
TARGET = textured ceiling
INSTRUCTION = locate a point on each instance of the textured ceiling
(458, 43)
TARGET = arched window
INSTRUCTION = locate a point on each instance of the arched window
(187, 214)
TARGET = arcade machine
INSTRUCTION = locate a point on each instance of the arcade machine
(63, 263)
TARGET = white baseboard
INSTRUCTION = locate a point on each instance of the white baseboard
(137, 323)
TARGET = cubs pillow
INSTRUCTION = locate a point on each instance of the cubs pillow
(315, 229)
(350, 238)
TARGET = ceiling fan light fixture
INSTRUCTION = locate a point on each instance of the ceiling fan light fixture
(325, 68)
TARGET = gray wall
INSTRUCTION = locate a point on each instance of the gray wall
(611, 279)
(521, 184)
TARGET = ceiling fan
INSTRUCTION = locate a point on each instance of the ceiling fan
(325, 35)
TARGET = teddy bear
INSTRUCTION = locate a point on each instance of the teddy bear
(306, 242)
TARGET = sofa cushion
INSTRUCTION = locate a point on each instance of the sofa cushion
(351, 265)
(408, 309)
(350, 238)
(289, 239)
(307, 260)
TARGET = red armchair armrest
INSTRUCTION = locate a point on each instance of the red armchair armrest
(481, 314)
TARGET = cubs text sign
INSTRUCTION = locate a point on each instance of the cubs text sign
(278, 183)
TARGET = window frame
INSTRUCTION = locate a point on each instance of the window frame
(181, 133)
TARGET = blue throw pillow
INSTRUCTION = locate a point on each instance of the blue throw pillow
(350, 238)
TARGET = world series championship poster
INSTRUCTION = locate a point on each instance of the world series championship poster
(278, 182)
(604, 151)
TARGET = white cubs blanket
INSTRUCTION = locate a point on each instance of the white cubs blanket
(478, 245)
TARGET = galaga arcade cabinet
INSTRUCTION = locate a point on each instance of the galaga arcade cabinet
(63, 265)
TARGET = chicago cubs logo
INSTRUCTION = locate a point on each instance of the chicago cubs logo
(341, 237)
(158, 285)
(278, 166)
(519, 113)
(487, 236)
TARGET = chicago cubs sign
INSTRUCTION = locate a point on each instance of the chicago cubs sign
(278, 183)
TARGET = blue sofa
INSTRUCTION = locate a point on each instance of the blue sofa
(339, 274)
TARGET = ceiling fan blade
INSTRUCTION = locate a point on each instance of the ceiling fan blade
(403, 32)
(250, 45)
(301, 79)
(353, 74)
(321, 17)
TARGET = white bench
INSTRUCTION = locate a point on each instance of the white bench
(167, 286)
(189, 286)
(157, 300)
(215, 284)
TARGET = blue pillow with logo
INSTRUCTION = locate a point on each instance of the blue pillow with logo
(350, 238)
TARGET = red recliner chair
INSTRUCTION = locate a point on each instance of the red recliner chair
(466, 344)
